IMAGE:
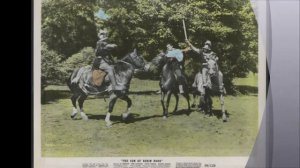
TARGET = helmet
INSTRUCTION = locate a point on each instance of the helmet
(207, 42)
(207, 47)
(102, 33)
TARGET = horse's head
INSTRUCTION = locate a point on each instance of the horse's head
(135, 60)
(212, 67)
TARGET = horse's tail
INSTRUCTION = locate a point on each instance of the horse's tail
(69, 80)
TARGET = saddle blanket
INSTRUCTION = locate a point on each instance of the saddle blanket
(98, 76)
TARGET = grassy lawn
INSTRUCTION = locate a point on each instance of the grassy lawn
(146, 133)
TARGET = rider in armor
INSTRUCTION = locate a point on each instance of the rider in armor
(103, 58)
(207, 54)
(177, 55)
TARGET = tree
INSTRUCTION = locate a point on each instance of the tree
(69, 25)
(150, 24)
(50, 66)
(249, 51)
(83, 58)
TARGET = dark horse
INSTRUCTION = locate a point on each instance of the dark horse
(215, 85)
(124, 70)
(169, 82)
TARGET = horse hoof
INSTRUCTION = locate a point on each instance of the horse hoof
(193, 106)
(125, 116)
(164, 117)
(108, 125)
(73, 117)
(224, 118)
(84, 117)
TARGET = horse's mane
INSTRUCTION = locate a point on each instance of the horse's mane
(159, 60)
(121, 65)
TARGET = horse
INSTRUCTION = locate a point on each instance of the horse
(169, 83)
(214, 85)
(123, 69)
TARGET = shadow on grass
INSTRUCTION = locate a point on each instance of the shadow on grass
(132, 118)
(181, 112)
(49, 96)
(102, 117)
(246, 90)
(147, 92)
(53, 95)
(218, 113)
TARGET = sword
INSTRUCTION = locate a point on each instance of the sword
(184, 29)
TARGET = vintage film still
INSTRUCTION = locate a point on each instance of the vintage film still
(108, 75)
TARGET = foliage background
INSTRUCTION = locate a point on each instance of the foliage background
(69, 33)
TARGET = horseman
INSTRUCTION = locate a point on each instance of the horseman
(207, 54)
(103, 58)
(177, 55)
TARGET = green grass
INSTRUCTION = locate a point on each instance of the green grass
(250, 80)
(246, 86)
(146, 133)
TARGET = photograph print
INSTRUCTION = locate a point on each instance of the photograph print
(148, 78)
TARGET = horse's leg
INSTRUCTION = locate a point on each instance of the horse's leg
(80, 102)
(202, 102)
(220, 78)
(176, 105)
(222, 92)
(205, 102)
(194, 99)
(169, 93)
(74, 99)
(195, 89)
(209, 104)
(187, 97)
(129, 103)
(162, 100)
(224, 117)
(112, 100)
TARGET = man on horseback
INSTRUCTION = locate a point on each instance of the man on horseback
(177, 55)
(103, 58)
(207, 54)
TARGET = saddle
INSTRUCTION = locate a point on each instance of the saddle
(98, 76)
